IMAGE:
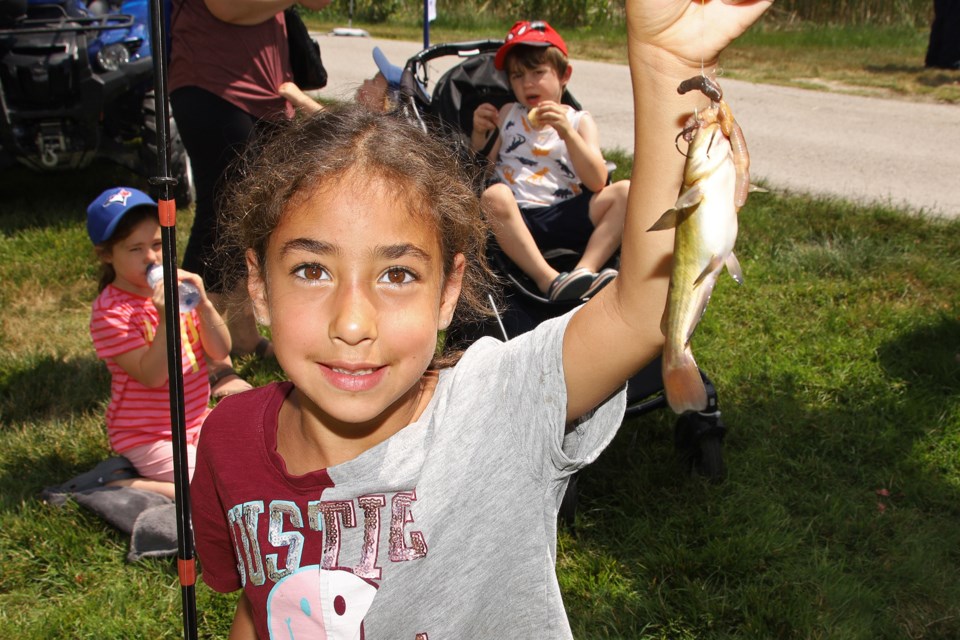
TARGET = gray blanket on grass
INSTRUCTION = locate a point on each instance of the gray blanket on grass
(149, 518)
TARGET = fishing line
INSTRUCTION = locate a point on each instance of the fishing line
(703, 37)
(703, 34)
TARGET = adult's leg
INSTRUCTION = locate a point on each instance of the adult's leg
(943, 48)
(214, 132)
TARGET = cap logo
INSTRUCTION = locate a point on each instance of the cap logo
(119, 197)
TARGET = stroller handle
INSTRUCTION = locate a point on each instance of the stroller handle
(412, 69)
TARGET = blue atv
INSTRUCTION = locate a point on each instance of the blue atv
(76, 84)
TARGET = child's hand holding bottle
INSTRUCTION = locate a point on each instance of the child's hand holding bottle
(189, 291)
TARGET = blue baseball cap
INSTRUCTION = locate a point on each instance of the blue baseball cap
(390, 71)
(105, 212)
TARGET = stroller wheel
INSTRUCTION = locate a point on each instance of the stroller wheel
(710, 463)
(698, 439)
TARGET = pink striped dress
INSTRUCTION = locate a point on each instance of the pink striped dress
(138, 415)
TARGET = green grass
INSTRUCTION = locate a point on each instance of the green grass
(883, 60)
(836, 365)
(837, 370)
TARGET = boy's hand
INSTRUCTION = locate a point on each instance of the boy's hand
(692, 30)
(555, 115)
(485, 118)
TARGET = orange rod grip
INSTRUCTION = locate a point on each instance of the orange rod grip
(187, 571)
(168, 212)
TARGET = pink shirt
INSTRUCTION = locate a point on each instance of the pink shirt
(138, 415)
(242, 64)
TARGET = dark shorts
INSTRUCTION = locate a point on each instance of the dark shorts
(565, 225)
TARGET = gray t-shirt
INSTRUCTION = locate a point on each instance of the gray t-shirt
(447, 530)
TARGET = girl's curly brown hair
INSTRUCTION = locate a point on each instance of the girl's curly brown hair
(311, 151)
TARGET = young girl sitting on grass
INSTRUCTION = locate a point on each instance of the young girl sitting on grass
(383, 491)
(130, 335)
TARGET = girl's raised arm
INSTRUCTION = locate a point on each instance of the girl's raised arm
(618, 331)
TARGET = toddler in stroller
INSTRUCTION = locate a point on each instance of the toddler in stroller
(449, 109)
(551, 185)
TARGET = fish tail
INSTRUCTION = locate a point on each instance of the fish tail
(682, 383)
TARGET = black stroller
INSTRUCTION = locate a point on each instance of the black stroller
(448, 109)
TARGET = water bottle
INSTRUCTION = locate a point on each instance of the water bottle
(189, 294)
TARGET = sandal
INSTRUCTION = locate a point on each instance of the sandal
(603, 278)
(570, 285)
(227, 382)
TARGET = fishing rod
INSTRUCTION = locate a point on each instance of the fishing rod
(164, 184)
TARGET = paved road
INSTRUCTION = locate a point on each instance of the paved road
(858, 148)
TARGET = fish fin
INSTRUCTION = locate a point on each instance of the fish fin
(668, 220)
(743, 191)
(733, 267)
(712, 266)
(673, 217)
(689, 198)
(682, 383)
(665, 320)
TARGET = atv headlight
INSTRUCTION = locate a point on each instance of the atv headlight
(112, 57)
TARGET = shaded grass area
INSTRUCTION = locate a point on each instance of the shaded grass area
(837, 371)
(836, 365)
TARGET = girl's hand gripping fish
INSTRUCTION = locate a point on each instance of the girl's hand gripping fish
(716, 181)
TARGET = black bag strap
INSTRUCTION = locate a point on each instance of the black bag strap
(488, 145)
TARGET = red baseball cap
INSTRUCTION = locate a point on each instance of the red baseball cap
(537, 34)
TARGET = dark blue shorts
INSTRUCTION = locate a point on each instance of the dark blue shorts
(565, 225)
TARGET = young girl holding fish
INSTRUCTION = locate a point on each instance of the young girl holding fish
(384, 492)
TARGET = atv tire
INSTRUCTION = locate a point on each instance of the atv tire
(178, 160)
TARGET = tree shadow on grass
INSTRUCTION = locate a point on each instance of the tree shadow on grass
(845, 510)
(45, 437)
(927, 360)
(893, 68)
(33, 199)
(46, 388)
(23, 477)
(927, 77)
